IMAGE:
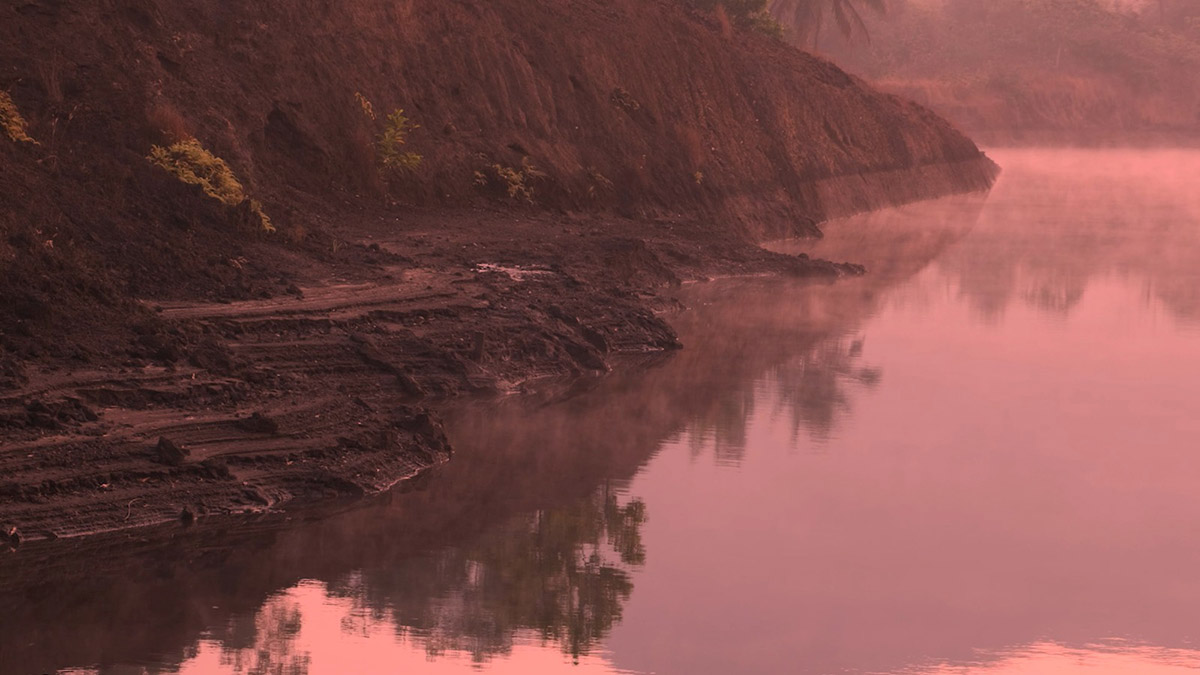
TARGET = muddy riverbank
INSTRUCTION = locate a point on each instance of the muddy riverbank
(856, 445)
(86, 591)
(332, 390)
(166, 357)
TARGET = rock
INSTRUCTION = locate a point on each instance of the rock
(160, 347)
(477, 347)
(595, 338)
(585, 355)
(37, 407)
(255, 496)
(44, 421)
(411, 388)
(212, 356)
(557, 312)
(68, 410)
(187, 517)
(215, 468)
(421, 423)
(169, 453)
(375, 357)
(258, 423)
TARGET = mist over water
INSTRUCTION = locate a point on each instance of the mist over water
(980, 457)
(1091, 72)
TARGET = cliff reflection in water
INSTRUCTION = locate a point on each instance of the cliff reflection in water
(526, 538)
(558, 576)
(977, 458)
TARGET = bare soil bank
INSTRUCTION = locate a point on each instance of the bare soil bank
(161, 360)
(330, 390)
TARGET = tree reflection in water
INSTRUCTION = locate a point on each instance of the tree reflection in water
(1084, 215)
(562, 574)
(814, 390)
(272, 648)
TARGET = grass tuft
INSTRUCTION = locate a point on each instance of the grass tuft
(11, 121)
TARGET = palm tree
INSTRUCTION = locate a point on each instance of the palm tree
(806, 17)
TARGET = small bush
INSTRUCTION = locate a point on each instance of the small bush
(191, 163)
(624, 100)
(738, 10)
(392, 155)
(764, 23)
(389, 145)
(747, 14)
(515, 182)
(264, 221)
(11, 121)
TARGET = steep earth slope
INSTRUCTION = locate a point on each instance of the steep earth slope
(578, 156)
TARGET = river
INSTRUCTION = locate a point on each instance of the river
(981, 457)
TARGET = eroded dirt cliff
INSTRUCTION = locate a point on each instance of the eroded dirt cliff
(162, 357)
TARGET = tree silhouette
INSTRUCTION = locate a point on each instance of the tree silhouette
(806, 17)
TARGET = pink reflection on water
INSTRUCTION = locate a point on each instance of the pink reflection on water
(983, 457)
(335, 636)
(1048, 658)
(1025, 469)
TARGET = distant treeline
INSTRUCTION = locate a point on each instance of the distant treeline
(1082, 69)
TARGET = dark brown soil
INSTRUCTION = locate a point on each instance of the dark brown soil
(327, 391)
(161, 359)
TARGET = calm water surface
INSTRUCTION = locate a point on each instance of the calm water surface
(983, 457)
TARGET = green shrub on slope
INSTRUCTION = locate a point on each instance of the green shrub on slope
(11, 121)
(191, 163)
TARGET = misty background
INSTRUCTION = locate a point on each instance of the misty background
(1075, 71)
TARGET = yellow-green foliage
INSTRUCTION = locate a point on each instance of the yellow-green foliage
(753, 14)
(191, 163)
(515, 181)
(766, 24)
(365, 104)
(391, 144)
(264, 220)
(11, 121)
